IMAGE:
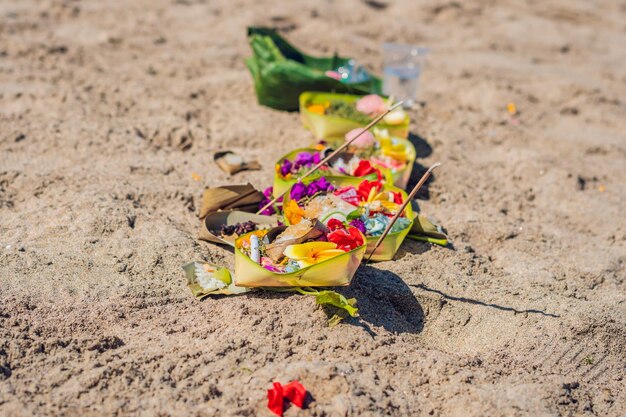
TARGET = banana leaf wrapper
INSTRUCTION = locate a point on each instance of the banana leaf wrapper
(334, 272)
(204, 279)
(281, 72)
(390, 245)
(213, 222)
(282, 185)
(230, 197)
(326, 126)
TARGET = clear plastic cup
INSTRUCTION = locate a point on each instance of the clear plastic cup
(403, 67)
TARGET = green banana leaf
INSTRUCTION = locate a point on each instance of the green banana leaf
(281, 72)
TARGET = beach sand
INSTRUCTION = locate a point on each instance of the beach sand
(108, 108)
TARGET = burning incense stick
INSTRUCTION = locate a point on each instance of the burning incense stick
(335, 152)
(407, 202)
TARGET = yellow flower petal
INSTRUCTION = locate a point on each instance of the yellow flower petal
(371, 195)
(390, 206)
(397, 151)
(310, 253)
(316, 108)
(322, 256)
(293, 212)
(307, 250)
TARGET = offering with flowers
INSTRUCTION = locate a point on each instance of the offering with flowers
(291, 166)
(393, 156)
(334, 115)
(304, 254)
(379, 157)
(363, 204)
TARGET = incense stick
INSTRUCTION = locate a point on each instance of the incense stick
(407, 202)
(335, 152)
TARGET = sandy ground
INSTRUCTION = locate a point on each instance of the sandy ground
(107, 108)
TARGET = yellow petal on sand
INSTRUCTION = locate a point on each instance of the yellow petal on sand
(195, 177)
(511, 108)
(311, 253)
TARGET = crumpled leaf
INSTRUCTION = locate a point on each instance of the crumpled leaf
(230, 197)
(232, 163)
(426, 231)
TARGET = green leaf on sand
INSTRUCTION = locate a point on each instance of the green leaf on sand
(328, 297)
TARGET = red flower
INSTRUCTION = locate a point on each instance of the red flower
(276, 399)
(346, 239)
(397, 198)
(365, 188)
(293, 391)
(366, 168)
(334, 224)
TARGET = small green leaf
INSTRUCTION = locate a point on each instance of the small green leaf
(354, 214)
(333, 298)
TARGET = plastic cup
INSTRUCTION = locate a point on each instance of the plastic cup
(403, 67)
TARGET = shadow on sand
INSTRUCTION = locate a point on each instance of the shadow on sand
(384, 300)
(422, 150)
(482, 303)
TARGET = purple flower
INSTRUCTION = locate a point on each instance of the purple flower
(285, 167)
(303, 159)
(316, 186)
(358, 223)
(319, 185)
(316, 158)
(298, 191)
(268, 211)
(268, 192)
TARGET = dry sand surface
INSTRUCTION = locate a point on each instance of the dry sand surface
(106, 110)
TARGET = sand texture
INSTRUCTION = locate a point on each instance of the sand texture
(107, 108)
